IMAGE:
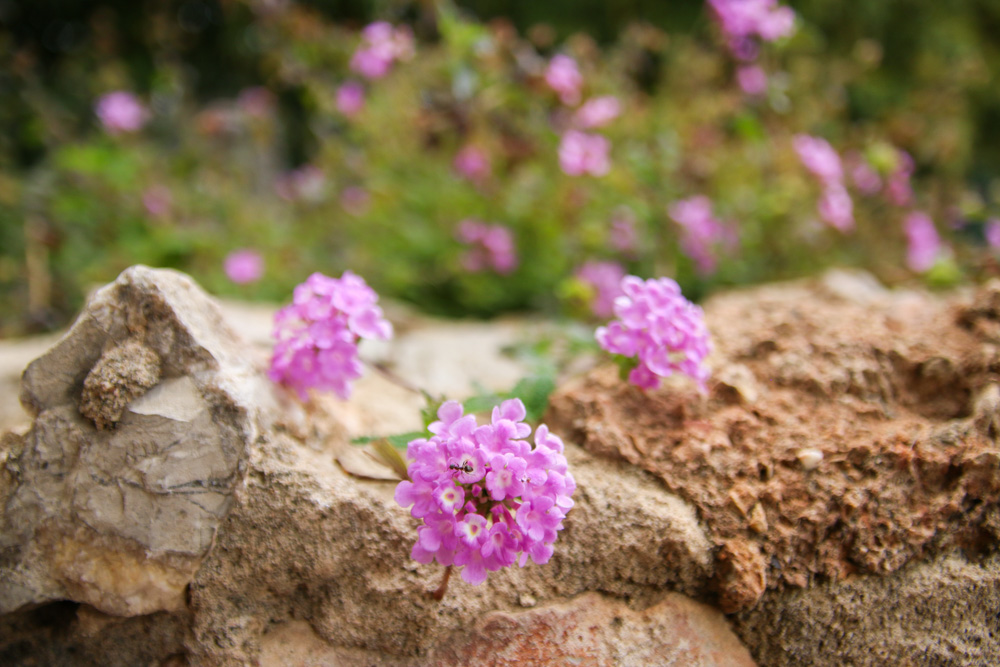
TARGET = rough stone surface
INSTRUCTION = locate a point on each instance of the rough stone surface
(206, 510)
(143, 415)
(848, 431)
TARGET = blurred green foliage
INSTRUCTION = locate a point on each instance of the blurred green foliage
(918, 75)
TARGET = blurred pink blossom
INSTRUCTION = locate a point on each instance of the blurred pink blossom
(819, 157)
(350, 98)
(490, 246)
(923, 242)
(597, 112)
(752, 79)
(381, 45)
(583, 153)
(563, 76)
(836, 208)
(355, 200)
(244, 266)
(702, 232)
(605, 278)
(121, 111)
(157, 200)
(991, 231)
(743, 20)
(472, 163)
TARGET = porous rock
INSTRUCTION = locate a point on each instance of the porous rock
(198, 517)
(894, 397)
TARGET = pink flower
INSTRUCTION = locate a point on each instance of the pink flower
(597, 112)
(157, 200)
(923, 242)
(244, 266)
(563, 76)
(491, 247)
(752, 79)
(582, 153)
(819, 157)
(381, 45)
(121, 111)
(702, 231)
(518, 495)
(605, 278)
(350, 98)
(472, 163)
(836, 208)
(317, 337)
(663, 330)
(743, 20)
(992, 232)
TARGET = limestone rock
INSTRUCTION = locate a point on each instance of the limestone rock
(144, 413)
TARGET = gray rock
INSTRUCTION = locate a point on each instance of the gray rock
(144, 412)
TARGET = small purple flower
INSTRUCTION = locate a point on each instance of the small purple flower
(244, 266)
(662, 329)
(923, 242)
(563, 76)
(605, 278)
(836, 208)
(752, 80)
(742, 21)
(350, 98)
(818, 157)
(991, 232)
(703, 233)
(121, 111)
(472, 163)
(381, 46)
(597, 112)
(865, 177)
(583, 153)
(512, 513)
(490, 247)
(317, 334)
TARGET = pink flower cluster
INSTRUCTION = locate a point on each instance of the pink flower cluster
(835, 206)
(121, 111)
(563, 76)
(923, 242)
(597, 112)
(605, 278)
(743, 21)
(491, 246)
(703, 232)
(381, 46)
(487, 499)
(317, 334)
(472, 163)
(584, 153)
(663, 330)
(244, 266)
(350, 98)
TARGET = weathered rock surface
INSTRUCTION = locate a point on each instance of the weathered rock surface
(143, 415)
(848, 431)
(169, 505)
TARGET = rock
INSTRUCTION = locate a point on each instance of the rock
(868, 460)
(144, 413)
